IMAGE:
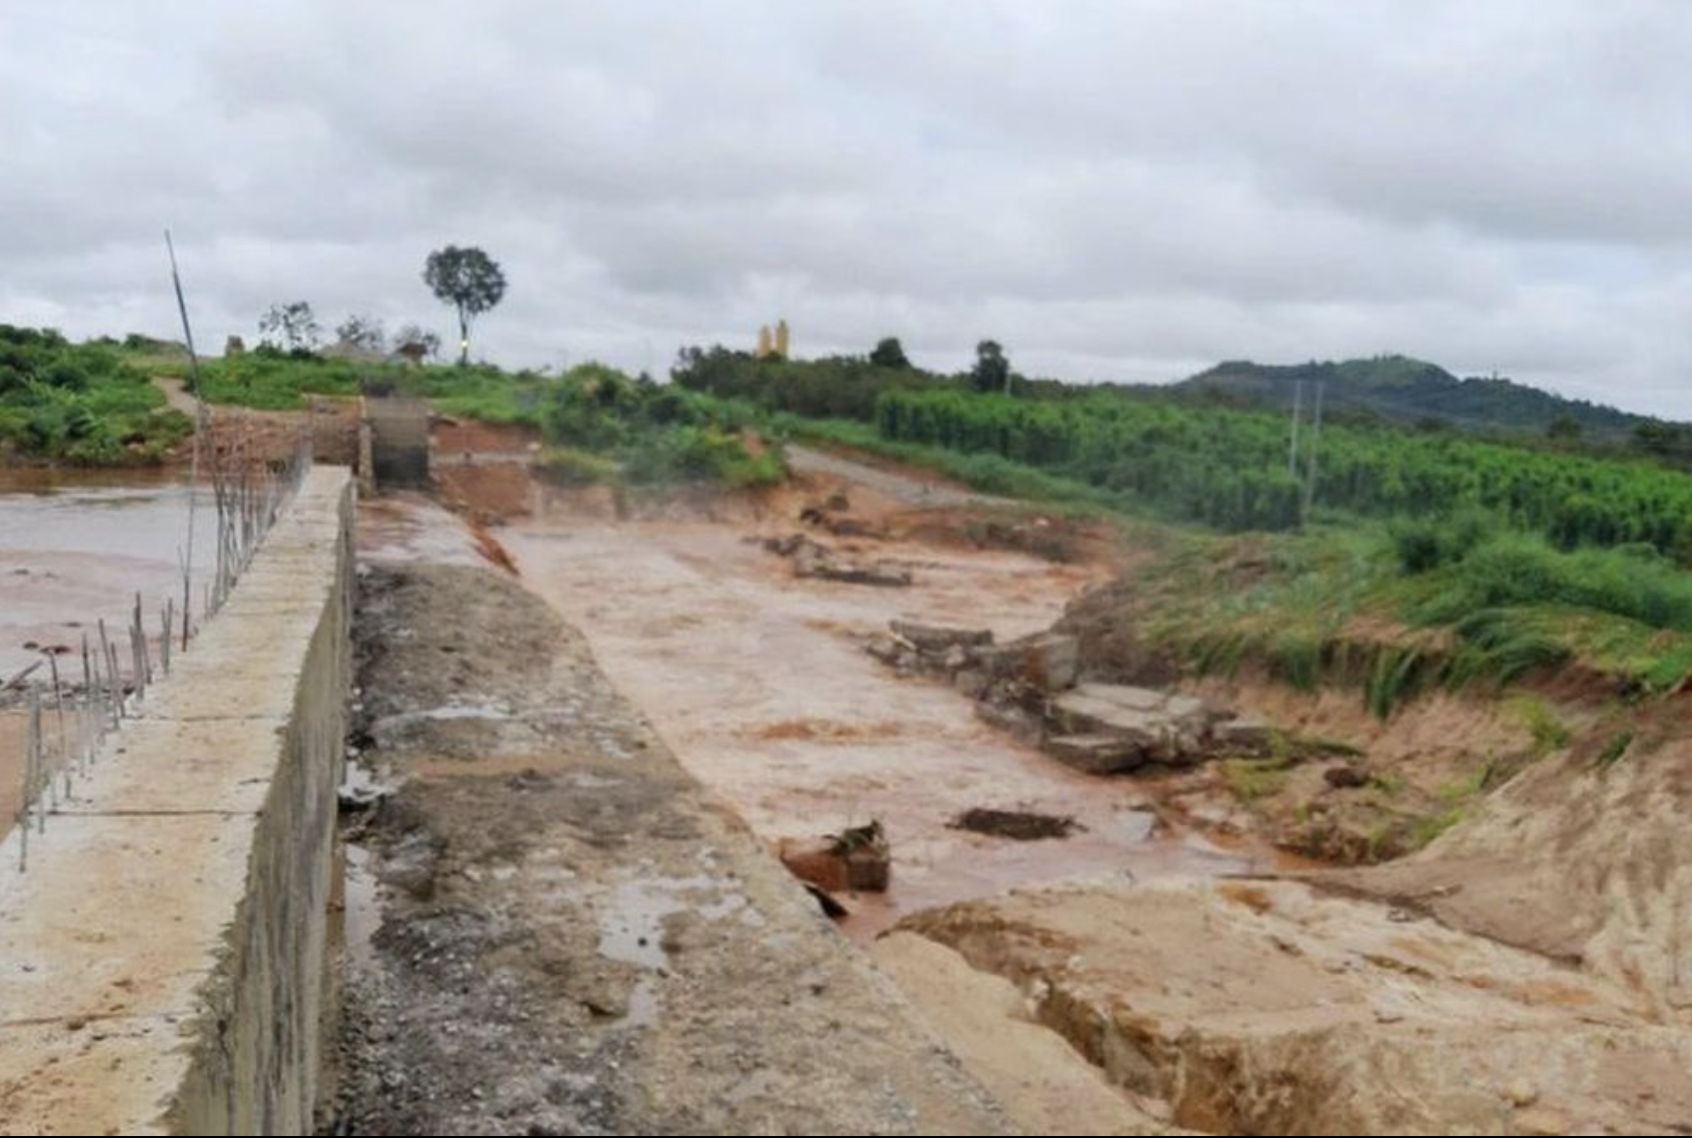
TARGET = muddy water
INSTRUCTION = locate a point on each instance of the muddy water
(78, 546)
(755, 682)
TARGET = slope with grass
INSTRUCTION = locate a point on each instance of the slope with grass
(79, 403)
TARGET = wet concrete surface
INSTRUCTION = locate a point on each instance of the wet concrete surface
(554, 930)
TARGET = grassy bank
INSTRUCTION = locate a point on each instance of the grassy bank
(84, 404)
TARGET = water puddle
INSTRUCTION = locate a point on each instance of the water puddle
(631, 917)
(361, 912)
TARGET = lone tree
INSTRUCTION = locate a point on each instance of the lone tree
(992, 370)
(889, 353)
(470, 281)
(292, 326)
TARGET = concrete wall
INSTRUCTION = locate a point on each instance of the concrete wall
(399, 433)
(161, 962)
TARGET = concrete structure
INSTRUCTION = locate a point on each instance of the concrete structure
(162, 960)
(399, 441)
(772, 344)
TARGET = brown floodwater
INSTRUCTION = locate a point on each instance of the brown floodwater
(757, 683)
(76, 546)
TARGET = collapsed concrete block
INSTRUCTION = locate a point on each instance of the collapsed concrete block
(1094, 754)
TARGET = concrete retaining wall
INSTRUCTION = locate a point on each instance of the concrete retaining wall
(161, 962)
(399, 440)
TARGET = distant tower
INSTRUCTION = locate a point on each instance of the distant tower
(763, 341)
(781, 338)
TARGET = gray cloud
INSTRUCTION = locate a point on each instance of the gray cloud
(1114, 191)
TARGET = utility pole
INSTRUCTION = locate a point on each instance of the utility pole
(1292, 442)
(1310, 473)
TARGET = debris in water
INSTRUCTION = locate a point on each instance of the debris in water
(1348, 775)
(856, 860)
(813, 559)
(1017, 825)
(831, 905)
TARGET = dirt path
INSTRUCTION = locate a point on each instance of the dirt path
(176, 394)
(911, 490)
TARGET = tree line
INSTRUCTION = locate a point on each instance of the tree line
(1229, 468)
(465, 278)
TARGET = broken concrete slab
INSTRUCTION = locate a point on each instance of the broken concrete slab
(1050, 661)
(813, 559)
(1155, 726)
(852, 572)
(938, 638)
(1095, 754)
(1243, 736)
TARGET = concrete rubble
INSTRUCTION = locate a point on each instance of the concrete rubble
(858, 860)
(1031, 687)
(813, 559)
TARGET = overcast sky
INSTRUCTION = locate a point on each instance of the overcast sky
(1115, 190)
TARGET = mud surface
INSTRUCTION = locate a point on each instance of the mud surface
(14, 738)
(1263, 1007)
(1525, 974)
(759, 683)
(571, 937)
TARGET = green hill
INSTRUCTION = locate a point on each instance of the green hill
(1402, 389)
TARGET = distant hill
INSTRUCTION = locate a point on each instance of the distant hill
(1403, 389)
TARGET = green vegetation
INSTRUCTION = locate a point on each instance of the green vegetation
(836, 387)
(1549, 733)
(1614, 748)
(272, 380)
(1251, 779)
(80, 403)
(1334, 606)
(649, 434)
(987, 473)
(467, 279)
(1229, 469)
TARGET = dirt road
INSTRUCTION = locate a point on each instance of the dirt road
(910, 489)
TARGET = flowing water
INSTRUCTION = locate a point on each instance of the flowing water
(756, 682)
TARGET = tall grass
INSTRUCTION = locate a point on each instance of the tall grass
(1517, 570)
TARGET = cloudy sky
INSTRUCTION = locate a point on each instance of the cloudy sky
(1115, 190)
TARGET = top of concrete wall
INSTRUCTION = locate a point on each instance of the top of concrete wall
(108, 942)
